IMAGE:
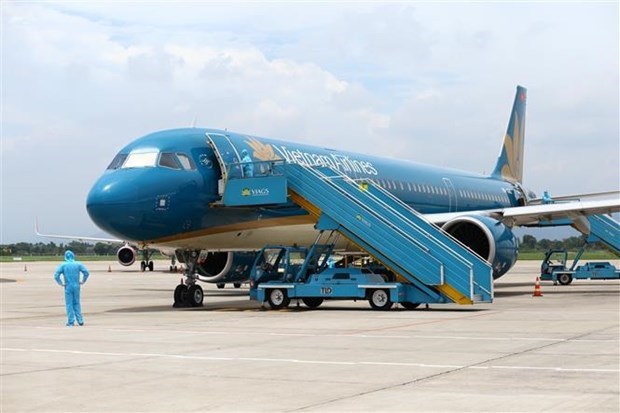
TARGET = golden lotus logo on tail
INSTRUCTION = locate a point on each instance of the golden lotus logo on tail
(512, 169)
(245, 192)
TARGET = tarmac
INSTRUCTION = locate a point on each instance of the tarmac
(558, 352)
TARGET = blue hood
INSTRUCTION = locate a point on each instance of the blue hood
(69, 256)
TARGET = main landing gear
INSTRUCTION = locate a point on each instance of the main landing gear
(146, 260)
(188, 293)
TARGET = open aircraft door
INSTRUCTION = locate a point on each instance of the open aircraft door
(227, 156)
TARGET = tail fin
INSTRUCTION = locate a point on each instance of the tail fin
(510, 161)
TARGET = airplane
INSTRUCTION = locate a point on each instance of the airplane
(163, 190)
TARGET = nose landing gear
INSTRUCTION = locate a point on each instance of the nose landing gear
(146, 260)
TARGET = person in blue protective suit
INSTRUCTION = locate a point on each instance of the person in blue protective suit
(68, 275)
(248, 166)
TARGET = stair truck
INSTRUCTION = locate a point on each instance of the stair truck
(282, 273)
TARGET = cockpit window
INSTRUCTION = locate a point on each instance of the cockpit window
(140, 160)
(118, 160)
(186, 161)
(169, 160)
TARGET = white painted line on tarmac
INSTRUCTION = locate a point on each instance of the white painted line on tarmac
(298, 361)
(343, 335)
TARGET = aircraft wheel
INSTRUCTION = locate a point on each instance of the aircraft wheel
(195, 295)
(142, 266)
(151, 266)
(220, 285)
(380, 300)
(312, 302)
(278, 299)
(565, 279)
(180, 294)
(237, 285)
(409, 305)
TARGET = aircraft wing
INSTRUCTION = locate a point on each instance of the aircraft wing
(76, 237)
(538, 215)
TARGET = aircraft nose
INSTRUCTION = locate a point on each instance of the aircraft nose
(111, 204)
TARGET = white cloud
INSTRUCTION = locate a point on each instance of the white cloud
(428, 82)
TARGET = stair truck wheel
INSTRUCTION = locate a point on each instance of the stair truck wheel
(195, 295)
(277, 299)
(179, 295)
(565, 279)
(380, 299)
(237, 285)
(409, 305)
(220, 285)
(312, 302)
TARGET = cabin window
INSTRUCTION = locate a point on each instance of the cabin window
(118, 160)
(169, 160)
(186, 161)
(140, 160)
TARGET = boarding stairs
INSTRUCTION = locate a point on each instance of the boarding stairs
(606, 230)
(439, 267)
(393, 233)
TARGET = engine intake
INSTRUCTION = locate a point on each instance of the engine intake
(224, 267)
(487, 237)
(126, 255)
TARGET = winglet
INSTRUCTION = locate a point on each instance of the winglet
(510, 161)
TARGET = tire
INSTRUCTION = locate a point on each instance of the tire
(142, 266)
(151, 266)
(179, 295)
(312, 302)
(194, 296)
(565, 279)
(380, 299)
(278, 299)
(220, 285)
(237, 285)
(409, 305)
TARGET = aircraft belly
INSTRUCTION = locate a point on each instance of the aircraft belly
(254, 239)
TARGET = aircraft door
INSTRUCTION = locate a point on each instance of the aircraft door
(227, 156)
(452, 199)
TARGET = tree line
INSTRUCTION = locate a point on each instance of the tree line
(527, 243)
(52, 249)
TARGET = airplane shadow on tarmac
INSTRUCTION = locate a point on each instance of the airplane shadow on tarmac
(232, 306)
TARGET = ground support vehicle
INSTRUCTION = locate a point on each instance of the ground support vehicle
(284, 273)
(554, 268)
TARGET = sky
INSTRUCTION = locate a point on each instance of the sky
(431, 82)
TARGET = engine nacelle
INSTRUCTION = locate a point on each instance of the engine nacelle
(126, 255)
(488, 238)
(225, 267)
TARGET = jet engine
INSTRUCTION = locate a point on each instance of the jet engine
(224, 267)
(126, 255)
(487, 237)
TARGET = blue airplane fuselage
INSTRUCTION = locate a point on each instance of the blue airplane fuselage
(151, 201)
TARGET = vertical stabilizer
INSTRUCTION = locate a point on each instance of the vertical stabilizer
(510, 161)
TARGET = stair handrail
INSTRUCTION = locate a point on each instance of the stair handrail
(424, 232)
